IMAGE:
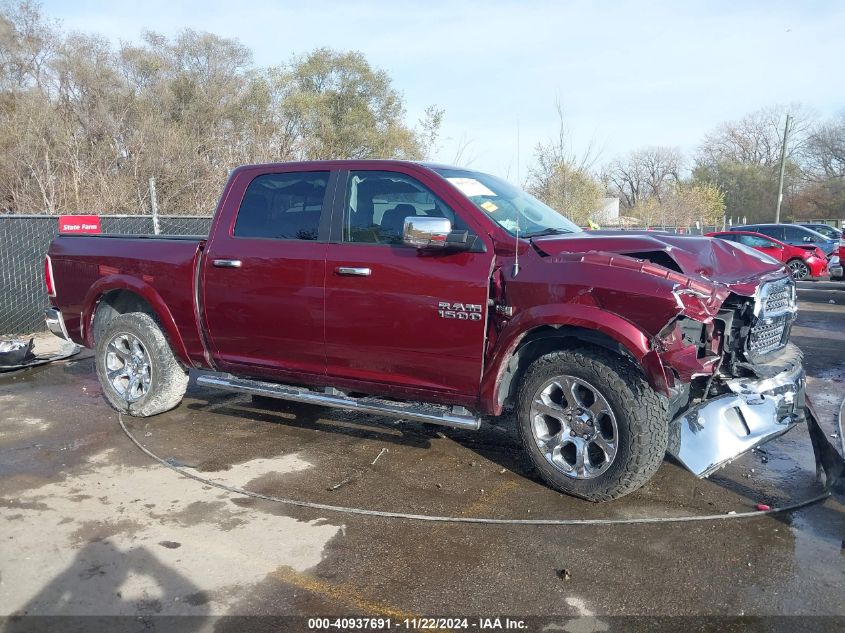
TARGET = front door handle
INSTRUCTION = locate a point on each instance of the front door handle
(353, 271)
(227, 263)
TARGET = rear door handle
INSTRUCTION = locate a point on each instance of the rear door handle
(353, 271)
(227, 263)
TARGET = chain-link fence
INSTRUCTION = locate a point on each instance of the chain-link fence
(24, 240)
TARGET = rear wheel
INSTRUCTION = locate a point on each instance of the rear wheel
(590, 423)
(136, 367)
(799, 269)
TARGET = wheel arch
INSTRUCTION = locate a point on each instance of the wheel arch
(552, 333)
(546, 339)
(113, 296)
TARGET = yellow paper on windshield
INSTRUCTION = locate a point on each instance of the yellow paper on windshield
(471, 187)
(488, 206)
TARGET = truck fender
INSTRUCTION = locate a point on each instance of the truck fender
(146, 292)
(584, 317)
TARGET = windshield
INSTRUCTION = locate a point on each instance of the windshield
(827, 231)
(511, 208)
(811, 235)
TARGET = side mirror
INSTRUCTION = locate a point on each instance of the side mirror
(426, 232)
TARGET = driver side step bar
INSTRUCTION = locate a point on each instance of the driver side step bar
(454, 417)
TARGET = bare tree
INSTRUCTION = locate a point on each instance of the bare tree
(28, 44)
(463, 157)
(823, 162)
(561, 177)
(824, 150)
(757, 137)
(643, 174)
(84, 125)
(561, 149)
(742, 159)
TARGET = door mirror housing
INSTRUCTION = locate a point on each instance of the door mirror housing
(426, 232)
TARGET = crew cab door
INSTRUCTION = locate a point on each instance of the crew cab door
(263, 277)
(400, 319)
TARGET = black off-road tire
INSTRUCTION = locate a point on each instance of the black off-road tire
(641, 417)
(168, 379)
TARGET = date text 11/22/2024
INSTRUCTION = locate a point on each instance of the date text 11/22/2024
(421, 623)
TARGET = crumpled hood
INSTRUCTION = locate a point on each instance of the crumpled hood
(709, 259)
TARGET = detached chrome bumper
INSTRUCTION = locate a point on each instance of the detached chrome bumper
(719, 430)
(56, 323)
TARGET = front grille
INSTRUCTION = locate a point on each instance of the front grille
(780, 297)
(766, 337)
(777, 312)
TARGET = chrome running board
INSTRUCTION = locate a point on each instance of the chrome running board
(454, 417)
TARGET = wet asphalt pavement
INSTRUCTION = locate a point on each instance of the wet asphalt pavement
(90, 525)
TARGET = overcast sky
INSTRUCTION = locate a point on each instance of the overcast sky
(628, 74)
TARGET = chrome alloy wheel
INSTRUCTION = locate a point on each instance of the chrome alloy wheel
(799, 270)
(128, 367)
(574, 427)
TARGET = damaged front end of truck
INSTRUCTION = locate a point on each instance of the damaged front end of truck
(732, 378)
(738, 382)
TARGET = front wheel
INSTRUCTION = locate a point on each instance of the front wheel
(590, 423)
(136, 367)
(799, 269)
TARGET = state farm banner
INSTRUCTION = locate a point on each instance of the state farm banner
(79, 224)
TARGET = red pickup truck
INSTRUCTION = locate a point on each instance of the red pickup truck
(439, 294)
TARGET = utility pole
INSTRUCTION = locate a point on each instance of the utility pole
(154, 205)
(782, 166)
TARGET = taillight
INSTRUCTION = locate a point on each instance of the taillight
(48, 277)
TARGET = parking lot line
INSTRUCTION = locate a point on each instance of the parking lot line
(351, 597)
(341, 593)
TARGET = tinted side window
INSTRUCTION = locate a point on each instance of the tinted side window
(377, 203)
(772, 231)
(794, 234)
(283, 206)
(825, 230)
(727, 237)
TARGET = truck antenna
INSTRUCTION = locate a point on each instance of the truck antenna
(518, 211)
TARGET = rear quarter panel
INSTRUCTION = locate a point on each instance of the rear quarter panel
(160, 270)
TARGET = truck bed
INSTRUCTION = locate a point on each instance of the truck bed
(160, 268)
